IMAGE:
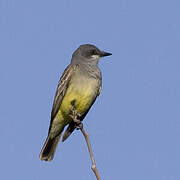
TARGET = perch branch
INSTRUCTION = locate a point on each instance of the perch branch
(79, 125)
(91, 153)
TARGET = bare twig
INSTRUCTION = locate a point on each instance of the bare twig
(79, 125)
(91, 153)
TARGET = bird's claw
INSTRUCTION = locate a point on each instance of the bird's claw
(79, 125)
(75, 117)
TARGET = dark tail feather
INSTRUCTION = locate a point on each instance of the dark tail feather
(49, 148)
(68, 131)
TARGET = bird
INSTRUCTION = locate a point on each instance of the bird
(77, 90)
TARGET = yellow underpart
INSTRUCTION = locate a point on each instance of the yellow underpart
(83, 93)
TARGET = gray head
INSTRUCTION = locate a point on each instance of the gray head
(88, 53)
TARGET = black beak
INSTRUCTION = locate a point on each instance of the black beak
(102, 54)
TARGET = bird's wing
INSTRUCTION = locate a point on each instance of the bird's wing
(99, 90)
(61, 89)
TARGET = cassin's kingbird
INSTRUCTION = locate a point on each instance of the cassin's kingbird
(79, 85)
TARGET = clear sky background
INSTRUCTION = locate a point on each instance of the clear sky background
(134, 125)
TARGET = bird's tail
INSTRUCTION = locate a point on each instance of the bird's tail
(49, 148)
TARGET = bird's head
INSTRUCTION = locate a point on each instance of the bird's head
(89, 52)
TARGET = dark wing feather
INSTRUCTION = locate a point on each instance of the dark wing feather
(61, 90)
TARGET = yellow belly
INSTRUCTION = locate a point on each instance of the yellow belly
(82, 90)
(83, 98)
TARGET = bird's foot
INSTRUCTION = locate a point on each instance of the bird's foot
(75, 117)
(78, 124)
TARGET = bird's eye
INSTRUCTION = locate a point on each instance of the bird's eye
(93, 52)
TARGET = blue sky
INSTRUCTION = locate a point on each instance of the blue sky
(134, 125)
